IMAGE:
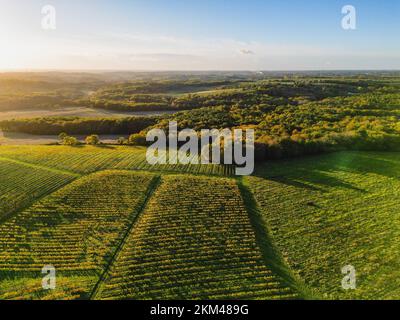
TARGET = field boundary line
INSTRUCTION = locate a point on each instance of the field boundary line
(151, 189)
(37, 166)
(156, 170)
(270, 253)
(172, 172)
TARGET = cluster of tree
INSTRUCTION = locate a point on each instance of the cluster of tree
(126, 105)
(292, 116)
(92, 140)
(268, 147)
(43, 90)
(175, 95)
(161, 86)
(68, 140)
(136, 139)
(148, 96)
(311, 89)
(76, 125)
(369, 121)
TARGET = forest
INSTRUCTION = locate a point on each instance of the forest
(292, 114)
(78, 126)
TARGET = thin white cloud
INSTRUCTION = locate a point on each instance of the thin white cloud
(246, 51)
(163, 52)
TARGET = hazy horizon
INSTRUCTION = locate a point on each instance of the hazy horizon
(189, 70)
(211, 35)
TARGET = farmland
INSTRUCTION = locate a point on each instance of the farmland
(22, 184)
(326, 212)
(75, 229)
(194, 243)
(324, 195)
(199, 157)
(68, 288)
(115, 232)
(83, 160)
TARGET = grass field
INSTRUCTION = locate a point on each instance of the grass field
(326, 212)
(144, 233)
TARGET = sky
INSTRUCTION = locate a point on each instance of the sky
(198, 35)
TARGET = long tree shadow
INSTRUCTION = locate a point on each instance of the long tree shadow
(311, 180)
(381, 163)
(293, 183)
(319, 173)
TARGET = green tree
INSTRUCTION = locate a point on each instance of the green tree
(92, 140)
(137, 139)
(70, 141)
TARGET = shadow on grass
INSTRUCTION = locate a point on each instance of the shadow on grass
(318, 172)
(105, 146)
(316, 181)
(294, 183)
(271, 256)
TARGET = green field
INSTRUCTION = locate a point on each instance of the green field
(76, 229)
(115, 229)
(21, 184)
(84, 160)
(326, 212)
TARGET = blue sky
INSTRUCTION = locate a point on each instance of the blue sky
(200, 35)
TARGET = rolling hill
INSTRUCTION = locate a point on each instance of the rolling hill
(116, 229)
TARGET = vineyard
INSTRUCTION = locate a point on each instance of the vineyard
(68, 288)
(76, 229)
(21, 184)
(116, 230)
(193, 243)
(84, 160)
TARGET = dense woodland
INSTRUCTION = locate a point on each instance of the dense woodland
(292, 114)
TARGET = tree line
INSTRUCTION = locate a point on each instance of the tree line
(78, 126)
